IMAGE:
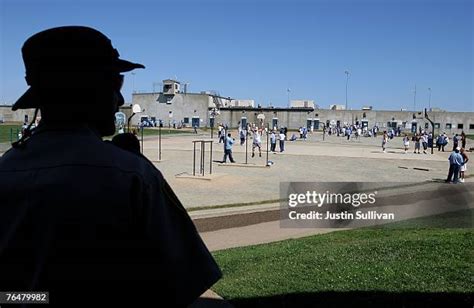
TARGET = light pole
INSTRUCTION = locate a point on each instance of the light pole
(159, 140)
(135, 109)
(160, 124)
(347, 81)
(429, 99)
(268, 135)
(170, 116)
(288, 90)
(432, 127)
(133, 82)
(214, 113)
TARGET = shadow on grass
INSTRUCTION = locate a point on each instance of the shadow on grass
(359, 299)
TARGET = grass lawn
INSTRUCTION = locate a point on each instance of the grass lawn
(164, 131)
(5, 130)
(396, 265)
(470, 137)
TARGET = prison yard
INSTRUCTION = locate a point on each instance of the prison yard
(334, 159)
(319, 158)
(235, 206)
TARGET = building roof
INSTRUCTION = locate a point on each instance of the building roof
(267, 109)
(172, 80)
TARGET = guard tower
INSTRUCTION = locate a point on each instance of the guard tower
(171, 87)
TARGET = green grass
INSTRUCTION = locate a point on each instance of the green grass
(154, 132)
(164, 131)
(393, 259)
(470, 137)
(5, 132)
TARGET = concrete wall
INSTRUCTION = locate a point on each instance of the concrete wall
(289, 118)
(7, 115)
(197, 105)
(181, 105)
(296, 118)
(402, 118)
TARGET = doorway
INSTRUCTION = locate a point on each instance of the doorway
(195, 122)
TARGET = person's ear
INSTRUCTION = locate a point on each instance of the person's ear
(118, 98)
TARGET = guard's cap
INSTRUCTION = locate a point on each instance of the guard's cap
(65, 51)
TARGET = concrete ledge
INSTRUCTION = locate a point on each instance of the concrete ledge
(206, 177)
(157, 161)
(242, 165)
(228, 211)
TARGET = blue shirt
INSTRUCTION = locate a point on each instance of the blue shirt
(229, 142)
(456, 159)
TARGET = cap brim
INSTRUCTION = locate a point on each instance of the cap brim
(26, 101)
(127, 66)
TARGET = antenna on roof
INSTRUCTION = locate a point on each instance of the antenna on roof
(186, 87)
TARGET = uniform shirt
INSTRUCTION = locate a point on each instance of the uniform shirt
(80, 217)
(456, 159)
(272, 138)
(229, 142)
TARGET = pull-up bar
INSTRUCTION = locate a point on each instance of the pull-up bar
(202, 149)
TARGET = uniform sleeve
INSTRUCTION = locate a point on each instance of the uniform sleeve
(185, 264)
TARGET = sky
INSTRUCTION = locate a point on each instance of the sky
(259, 49)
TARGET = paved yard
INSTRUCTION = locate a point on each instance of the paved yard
(334, 159)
